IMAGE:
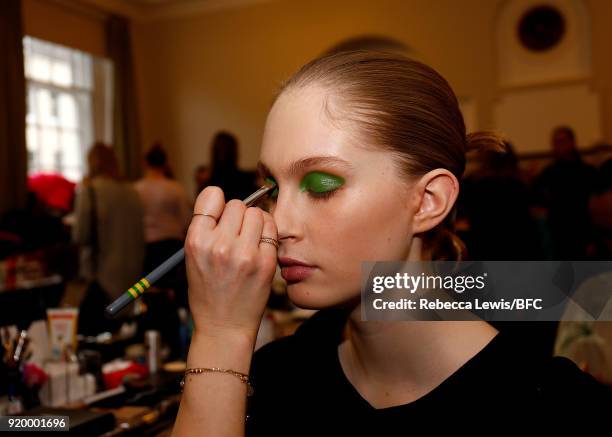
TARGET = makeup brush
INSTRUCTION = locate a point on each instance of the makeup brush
(139, 287)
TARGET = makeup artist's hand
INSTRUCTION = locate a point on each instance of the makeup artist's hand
(229, 271)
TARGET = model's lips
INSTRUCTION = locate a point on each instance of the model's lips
(284, 261)
(296, 273)
(293, 270)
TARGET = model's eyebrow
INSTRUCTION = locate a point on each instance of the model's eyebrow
(305, 163)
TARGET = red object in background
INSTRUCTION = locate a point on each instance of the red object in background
(116, 378)
(34, 375)
(54, 190)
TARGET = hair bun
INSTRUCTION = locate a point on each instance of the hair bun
(484, 141)
(442, 244)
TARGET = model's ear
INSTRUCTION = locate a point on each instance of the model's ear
(435, 195)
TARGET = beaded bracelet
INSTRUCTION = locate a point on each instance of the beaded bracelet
(197, 370)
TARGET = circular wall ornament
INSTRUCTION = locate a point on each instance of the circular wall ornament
(541, 28)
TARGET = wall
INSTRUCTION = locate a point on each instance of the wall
(220, 70)
(69, 25)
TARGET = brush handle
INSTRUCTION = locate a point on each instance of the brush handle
(136, 290)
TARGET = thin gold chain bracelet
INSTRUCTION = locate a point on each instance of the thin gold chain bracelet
(197, 370)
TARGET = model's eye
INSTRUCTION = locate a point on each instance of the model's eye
(274, 192)
(321, 185)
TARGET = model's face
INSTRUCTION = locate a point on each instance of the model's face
(331, 214)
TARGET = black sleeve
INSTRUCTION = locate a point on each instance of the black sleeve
(268, 373)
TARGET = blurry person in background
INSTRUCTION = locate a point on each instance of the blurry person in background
(582, 339)
(201, 176)
(236, 184)
(564, 188)
(500, 228)
(167, 209)
(600, 210)
(109, 229)
(167, 213)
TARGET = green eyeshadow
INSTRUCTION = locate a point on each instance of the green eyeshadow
(271, 181)
(318, 182)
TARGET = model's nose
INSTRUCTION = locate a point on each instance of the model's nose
(286, 216)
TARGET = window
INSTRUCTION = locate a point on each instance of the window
(60, 120)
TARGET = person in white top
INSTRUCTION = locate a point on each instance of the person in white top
(167, 208)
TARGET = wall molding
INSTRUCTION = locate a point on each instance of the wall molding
(147, 11)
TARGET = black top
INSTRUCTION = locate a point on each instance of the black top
(301, 389)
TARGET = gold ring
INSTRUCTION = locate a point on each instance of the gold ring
(207, 215)
(270, 241)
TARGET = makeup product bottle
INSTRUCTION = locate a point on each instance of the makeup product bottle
(153, 345)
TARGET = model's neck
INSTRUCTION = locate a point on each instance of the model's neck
(408, 356)
(388, 348)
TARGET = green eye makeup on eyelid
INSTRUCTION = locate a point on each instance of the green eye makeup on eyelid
(319, 182)
(269, 180)
(314, 182)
